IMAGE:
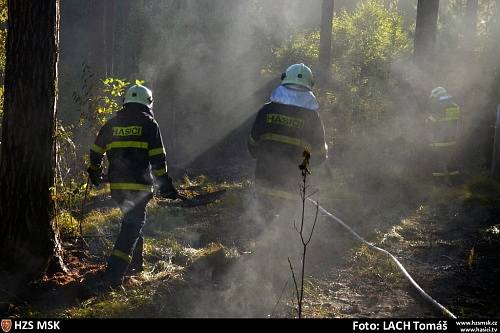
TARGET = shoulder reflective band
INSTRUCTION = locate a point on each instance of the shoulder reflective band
(95, 148)
(130, 187)
(445, 119)
(285, 139)
(452, 113)
(159, 173)
(127, 144)
(443, 144)
(276, 193)
(122, 255)
(156, 151)
(127, 131)
(446, 174)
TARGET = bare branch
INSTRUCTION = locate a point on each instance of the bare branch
(279, 299)
(303, 195)
(294, 282)
(312, 194)
(314, 224)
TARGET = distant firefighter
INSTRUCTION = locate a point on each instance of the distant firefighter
(444, 121)
(284, 128)
(133, 145)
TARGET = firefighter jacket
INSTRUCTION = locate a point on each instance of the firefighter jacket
(133, 145)
(444, 122)
(444, 128)
(279, 136)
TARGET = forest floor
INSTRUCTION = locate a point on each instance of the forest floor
(198, 258)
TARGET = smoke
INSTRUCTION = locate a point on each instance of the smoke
(207, 63)
(204, 61)
(466, 63)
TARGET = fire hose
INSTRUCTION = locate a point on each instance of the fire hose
(415, 285)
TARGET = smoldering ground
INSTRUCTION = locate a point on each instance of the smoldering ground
(258, 282)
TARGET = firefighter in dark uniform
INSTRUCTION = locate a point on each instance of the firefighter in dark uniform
(284, 128)
(444, 122)
(133, 145)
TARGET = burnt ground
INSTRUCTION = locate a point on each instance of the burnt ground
(447, 239)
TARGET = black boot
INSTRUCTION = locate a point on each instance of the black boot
(137, 264)
(115, 271)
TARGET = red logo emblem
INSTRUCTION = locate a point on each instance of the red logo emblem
(6, 325)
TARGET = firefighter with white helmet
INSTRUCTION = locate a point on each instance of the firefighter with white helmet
(286, 126)
(134, 148)
(444, 120)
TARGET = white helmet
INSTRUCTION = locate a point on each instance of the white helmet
(139, 94)
(438, 92)
(298, 74)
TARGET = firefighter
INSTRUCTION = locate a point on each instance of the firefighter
(444, 121)
(134, 148)
(284, 128)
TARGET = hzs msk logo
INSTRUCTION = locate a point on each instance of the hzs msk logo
(6, 325)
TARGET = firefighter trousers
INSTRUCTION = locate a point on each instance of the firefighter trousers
(129, 245)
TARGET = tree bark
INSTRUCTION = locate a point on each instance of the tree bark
(325, 49)
(28, 239)
(425, 31)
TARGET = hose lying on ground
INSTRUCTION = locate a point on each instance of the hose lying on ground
(422, 292)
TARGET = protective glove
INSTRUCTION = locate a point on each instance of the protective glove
(168, 191)
(95, 176)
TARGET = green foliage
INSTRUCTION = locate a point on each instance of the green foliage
(370, 37)
(67, 224)
(366, 43)
(303, 47)
(98, 104)
(360, 106)
(98, 100)
(109, 101)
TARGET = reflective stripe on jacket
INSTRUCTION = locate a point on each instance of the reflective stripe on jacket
(291, 128)
(133, 145)
(444, 125)
(278, 138)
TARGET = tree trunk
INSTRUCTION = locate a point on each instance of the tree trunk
(325, 49)
(109, 50)
(425, 31)
(121, 40)
(470, 27)
(28, 240)
(110, 26)
(96, 56)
